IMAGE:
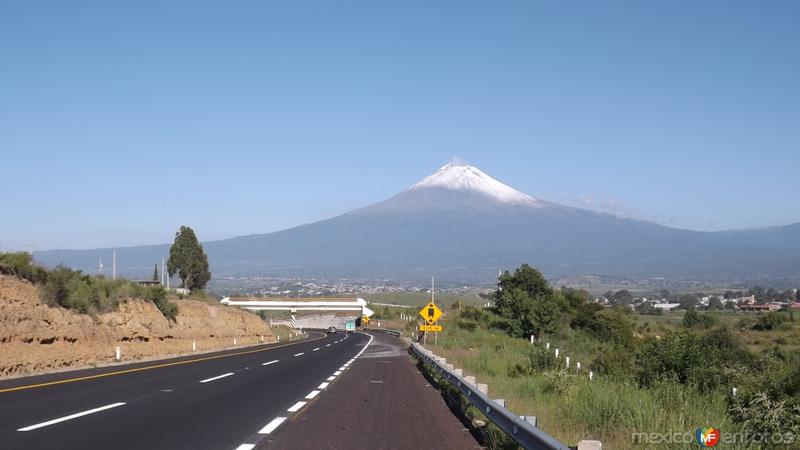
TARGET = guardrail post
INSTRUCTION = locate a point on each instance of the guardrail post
(590, 445)
(533, 420)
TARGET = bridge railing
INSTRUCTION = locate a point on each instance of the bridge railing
(522, 432)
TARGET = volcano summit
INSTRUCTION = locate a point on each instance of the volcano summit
(460, 224)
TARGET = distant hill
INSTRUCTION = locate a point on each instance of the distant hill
(460, 225)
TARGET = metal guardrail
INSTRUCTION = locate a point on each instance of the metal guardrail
(524, 433)
(396, 333)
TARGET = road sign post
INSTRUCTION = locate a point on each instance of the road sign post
(430, 313)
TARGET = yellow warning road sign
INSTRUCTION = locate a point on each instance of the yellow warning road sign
(431, 313)
(430, 328)
(364, 320)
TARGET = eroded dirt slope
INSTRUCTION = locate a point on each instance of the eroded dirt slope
(37, 338)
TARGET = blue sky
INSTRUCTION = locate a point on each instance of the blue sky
(120, 122)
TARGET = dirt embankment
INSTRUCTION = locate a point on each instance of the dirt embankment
(37, 338)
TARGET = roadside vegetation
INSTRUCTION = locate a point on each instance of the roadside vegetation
(83, 293)
(665, 375)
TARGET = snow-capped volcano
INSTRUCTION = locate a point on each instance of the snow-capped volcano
(459, 224)
(463, 177)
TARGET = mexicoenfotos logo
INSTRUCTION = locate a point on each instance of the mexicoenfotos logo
(707, 437)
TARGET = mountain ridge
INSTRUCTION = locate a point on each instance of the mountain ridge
(459, 223)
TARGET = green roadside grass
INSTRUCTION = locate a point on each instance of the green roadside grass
(567, 404)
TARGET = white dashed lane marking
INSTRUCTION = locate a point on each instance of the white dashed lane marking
(69, 417)
(270, 427)
(296, 407)
(217, 377)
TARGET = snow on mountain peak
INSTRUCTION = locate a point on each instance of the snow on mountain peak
(463, 177)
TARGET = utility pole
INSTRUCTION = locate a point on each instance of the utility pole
(433, 300)
(162, 271)
(114, 265)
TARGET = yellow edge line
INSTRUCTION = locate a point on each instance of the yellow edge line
(157, 366)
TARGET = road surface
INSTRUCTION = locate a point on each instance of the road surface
(332, 391)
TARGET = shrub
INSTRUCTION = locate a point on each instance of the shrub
(763, 416)
(693, 319)
(541, 359)
(769, 321)
(21, 265)
(616, 363)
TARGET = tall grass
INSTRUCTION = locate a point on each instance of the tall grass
(571, 407)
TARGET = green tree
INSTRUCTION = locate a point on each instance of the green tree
(714, 303)
(188, 260)
(623, 297)
(155, 273)
(526, 278)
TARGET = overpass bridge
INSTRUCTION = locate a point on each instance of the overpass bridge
(358, 305)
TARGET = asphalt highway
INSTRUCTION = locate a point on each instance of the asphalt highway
(229, 400)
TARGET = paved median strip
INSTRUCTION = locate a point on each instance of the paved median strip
(269, 362)
(270, 427)
(70, 417)
(217, 377)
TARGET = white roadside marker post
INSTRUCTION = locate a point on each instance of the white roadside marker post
(117, 354)
(194, 346)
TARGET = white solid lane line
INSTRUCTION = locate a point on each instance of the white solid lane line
(270, 362)
(323, 385)
(217, 377)
(71, 416)
(296, 407)
(246, 447)
(312, 394)
(270, 427)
